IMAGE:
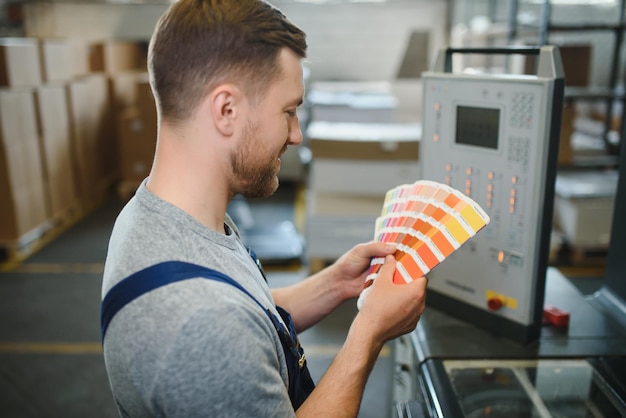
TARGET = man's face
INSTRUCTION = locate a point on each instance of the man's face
(272, 126)
(255, 166)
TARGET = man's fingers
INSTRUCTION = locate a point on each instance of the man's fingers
(373, 249)
(388, 267)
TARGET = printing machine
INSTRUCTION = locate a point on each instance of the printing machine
(504, 334)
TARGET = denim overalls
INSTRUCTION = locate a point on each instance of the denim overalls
(300, 382)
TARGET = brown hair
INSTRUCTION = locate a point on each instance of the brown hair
(200, 43)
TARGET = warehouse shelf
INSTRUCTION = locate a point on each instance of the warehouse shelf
(510, 23)
(610, 94)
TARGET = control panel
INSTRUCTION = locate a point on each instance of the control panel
(492, 138)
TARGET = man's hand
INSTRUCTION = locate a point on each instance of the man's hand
(391, 309)
(351, 268)
(312, 299)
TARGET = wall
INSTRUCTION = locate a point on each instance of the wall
(358, 41)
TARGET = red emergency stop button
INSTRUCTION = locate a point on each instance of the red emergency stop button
(495, 303)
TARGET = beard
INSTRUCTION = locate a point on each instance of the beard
(254, 169)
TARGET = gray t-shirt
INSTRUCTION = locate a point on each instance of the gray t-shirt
(196, 348)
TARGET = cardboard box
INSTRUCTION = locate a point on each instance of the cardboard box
(137, 142)
(576, 61)
(94, 140)
(124, 89)
(365, 141)
(367, 177)
(23, 205)
(145, 99)
(79, 57)
(56, 60)
(584, 205)
(82, 136)
(334, 101)
(19, 62)
(344, 205)
(138, 131)
(116, 56)
(54, 134)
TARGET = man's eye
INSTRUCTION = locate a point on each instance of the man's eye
(291, 113)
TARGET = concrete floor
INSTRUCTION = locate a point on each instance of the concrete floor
(51, 361)
(50, 355)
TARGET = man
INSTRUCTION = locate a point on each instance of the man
(211, 342)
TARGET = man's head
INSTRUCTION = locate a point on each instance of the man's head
(267, 131)
(199, 44)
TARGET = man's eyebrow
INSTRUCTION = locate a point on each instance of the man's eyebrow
(296, 102)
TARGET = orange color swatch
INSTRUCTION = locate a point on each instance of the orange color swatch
(427, 221)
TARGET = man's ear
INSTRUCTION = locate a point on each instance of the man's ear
(225, 103)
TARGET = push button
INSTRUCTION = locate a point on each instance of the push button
(495, 303)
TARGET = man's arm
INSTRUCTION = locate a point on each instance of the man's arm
(390, 310)
(310, 300)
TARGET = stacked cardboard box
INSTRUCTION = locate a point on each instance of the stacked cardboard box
(57, 60)
(56, 151)
(58, 136)
(137, 126)
(353, 166)
(93, 142)
(124, 88)
(23, 205)
(583, 207)
(112, 57)
(370, 102)
(19, 63)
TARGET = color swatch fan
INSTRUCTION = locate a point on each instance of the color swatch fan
(427, 221)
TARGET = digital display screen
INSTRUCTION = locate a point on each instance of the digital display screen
(477, 126)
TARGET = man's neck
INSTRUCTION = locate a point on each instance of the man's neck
(194, 186)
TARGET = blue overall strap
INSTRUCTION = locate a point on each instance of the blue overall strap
(152, 278)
